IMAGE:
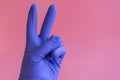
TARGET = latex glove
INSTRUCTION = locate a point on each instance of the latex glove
(43, 55)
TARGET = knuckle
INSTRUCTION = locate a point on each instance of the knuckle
(56, 39)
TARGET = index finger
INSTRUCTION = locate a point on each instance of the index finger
(48, 23)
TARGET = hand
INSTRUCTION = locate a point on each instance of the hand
(43, 54)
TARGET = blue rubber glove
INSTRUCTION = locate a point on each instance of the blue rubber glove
(43, 54)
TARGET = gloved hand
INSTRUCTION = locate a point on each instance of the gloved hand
(43, 54)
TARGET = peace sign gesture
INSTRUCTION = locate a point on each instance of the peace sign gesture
(43, 54)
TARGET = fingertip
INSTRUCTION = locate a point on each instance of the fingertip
(34, 7)
(53, 8)
(56, 39)
(33, 10)
(64, 48)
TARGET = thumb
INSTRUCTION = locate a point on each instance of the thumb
(58, 55)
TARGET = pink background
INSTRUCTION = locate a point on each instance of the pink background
(90, 29)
